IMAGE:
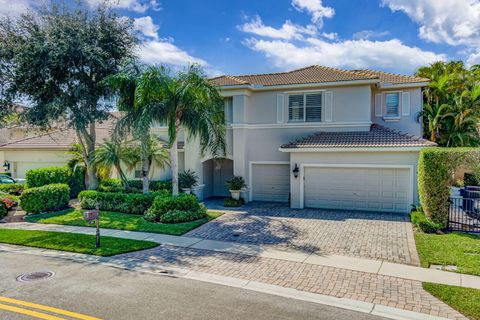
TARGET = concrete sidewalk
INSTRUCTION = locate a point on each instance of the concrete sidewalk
(377, 267)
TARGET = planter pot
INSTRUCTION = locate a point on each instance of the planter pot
(198, 191)
(187, 190)
(235, 194)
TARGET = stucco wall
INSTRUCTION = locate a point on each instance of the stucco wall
(369, 158)
(24, 160)
(407, 124)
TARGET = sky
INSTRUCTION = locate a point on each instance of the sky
(256, 36)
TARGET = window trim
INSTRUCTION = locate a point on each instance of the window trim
(305, 93)
(387, 118)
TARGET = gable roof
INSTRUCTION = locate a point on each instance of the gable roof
(378, 136)
(313, 74)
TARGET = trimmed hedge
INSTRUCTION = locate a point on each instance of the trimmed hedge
(3, 210)
(230, 202)
(173, 209)
(47, 198)
(14, 188)
(53, 175)
(421, 222)
(118, 202)
(471, 179)
(135, 186)
(435, 170)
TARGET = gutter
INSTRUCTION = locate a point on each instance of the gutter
(354, 149)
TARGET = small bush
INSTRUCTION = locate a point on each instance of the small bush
(134, 186)
(187, 179)
(3, 210)
(179, 216)
(14, 188)
(54, 175)
(229, 202)
(421, 222)
(51, 197)
(186, 203)
(119, 202)
(236, 183)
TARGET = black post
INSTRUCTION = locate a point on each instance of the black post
(97, 234)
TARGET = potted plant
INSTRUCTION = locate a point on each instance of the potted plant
(187, 180)
(235, 186)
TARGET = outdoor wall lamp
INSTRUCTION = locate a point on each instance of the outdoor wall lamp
(295, 171)
(6, 166)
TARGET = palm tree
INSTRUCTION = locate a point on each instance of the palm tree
(111, 154)
(186, 100)
(433, 116)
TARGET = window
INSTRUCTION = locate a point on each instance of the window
(305, 107)
(392, 103)
(229, 110)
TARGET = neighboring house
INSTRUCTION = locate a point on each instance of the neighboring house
(320, 137)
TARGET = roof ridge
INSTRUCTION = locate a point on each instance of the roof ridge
(388, 73)
(336, 69)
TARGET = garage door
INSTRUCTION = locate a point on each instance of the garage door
(23, 167)
(270, 182)
(376, 189)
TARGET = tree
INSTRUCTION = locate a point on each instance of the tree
(111, 153)
(185, 100)
(57, 59)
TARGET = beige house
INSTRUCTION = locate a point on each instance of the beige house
(315, 137)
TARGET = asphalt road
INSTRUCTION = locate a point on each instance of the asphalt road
(108, 293)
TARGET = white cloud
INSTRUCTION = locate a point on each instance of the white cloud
(146, 26)
(391, 54)
(164, 52)
(443, 21)
(315, 8)
(14, 8)
(139, 6)
(330, 36)
(473, 58)
(287, 31)
(369, 34)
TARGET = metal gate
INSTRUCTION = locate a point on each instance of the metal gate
(464, 214)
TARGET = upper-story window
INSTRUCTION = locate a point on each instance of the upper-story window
(229, 110)
(392, 105)
(305, 107)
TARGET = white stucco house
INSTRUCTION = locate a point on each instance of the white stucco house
(313, 137)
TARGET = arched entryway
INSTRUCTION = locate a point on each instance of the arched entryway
(216, 172)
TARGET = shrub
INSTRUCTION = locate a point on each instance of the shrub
(236, 183)
(435, 170)
(471, 179)
(119, 202)
(53, 175)
(14, 188)
(135, 186)
(187, 179)
(421, 222)
(51, 197)
(178, 216)
(229, 202)
(3, 210)
(186, 203)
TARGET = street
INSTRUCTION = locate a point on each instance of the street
(103, 292)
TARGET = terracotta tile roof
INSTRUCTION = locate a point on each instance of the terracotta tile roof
(378, 136)
(392, 77)
(312, 74)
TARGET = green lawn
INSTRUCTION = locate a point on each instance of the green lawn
(121, 221)
(461, 250)
(72, 242)
(465, 300)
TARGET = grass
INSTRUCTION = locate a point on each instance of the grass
(120, 221)
(459, 249)
(73, 242)
(464, 300)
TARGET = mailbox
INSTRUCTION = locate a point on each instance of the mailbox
(90, 215)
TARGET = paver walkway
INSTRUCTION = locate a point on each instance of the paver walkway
(371, 235)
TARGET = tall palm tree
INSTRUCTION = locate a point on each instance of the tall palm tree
(185, 100)
(157, 156)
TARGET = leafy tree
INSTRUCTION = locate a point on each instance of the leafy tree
(56, 59)
(184, 100)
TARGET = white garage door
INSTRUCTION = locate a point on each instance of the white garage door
(270, 182)
(23, 167)
(376, 189)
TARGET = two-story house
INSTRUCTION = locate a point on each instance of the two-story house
(319, 137)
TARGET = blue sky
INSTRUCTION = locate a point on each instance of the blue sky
(240, 36)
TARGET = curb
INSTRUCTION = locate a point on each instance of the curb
(348, 304)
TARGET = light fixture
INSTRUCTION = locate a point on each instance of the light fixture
(6, 166)
(295, 171)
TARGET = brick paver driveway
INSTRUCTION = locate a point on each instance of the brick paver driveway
(372, 235)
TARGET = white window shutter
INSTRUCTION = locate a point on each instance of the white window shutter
(328, 106)
(405, 103)
(378, 105)
(280, 108)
